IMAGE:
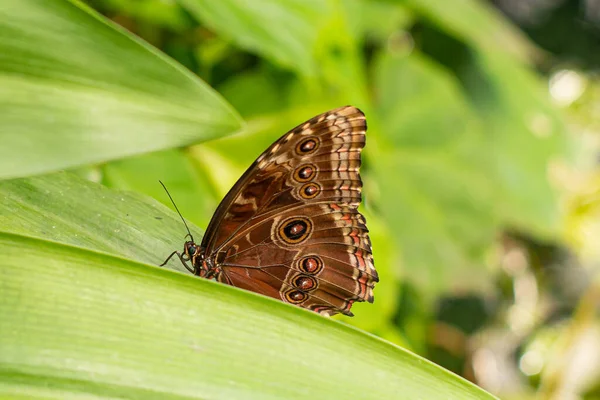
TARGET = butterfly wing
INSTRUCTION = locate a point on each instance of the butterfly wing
(290, 229)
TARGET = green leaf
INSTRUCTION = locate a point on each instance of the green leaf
(283, 31)
(433, 180)
(65, 208)
(101, 325)
(77, 322)
(78, 90)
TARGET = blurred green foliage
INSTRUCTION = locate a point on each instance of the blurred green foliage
(468, 170)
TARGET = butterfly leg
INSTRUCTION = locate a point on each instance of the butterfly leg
(180, 256)
(168, 258)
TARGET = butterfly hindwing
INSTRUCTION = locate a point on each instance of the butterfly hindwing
(320, 250)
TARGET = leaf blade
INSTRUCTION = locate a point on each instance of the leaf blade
(125, 329)
(77, 90)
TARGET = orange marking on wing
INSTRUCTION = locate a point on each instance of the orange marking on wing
(362, 280)
(361, 259)
(354, 236)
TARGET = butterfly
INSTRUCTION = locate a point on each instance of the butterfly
(289, 228)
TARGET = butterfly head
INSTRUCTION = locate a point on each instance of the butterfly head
(190, 251)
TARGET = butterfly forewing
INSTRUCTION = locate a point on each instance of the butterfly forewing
(290, 229)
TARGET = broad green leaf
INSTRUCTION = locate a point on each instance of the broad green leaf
(77, 322)
(65, 208)
(285, 32)
(433, 181)
(78, 90)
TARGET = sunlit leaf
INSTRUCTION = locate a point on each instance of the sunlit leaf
(78, 322)
(65, 208)
(78, 90)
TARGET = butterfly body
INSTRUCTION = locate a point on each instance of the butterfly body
(290, 228)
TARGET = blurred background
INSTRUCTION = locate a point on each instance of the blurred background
(481, 175)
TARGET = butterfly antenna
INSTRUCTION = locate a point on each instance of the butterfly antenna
(181, 216)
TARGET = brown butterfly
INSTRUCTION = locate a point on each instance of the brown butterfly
(289, 228)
